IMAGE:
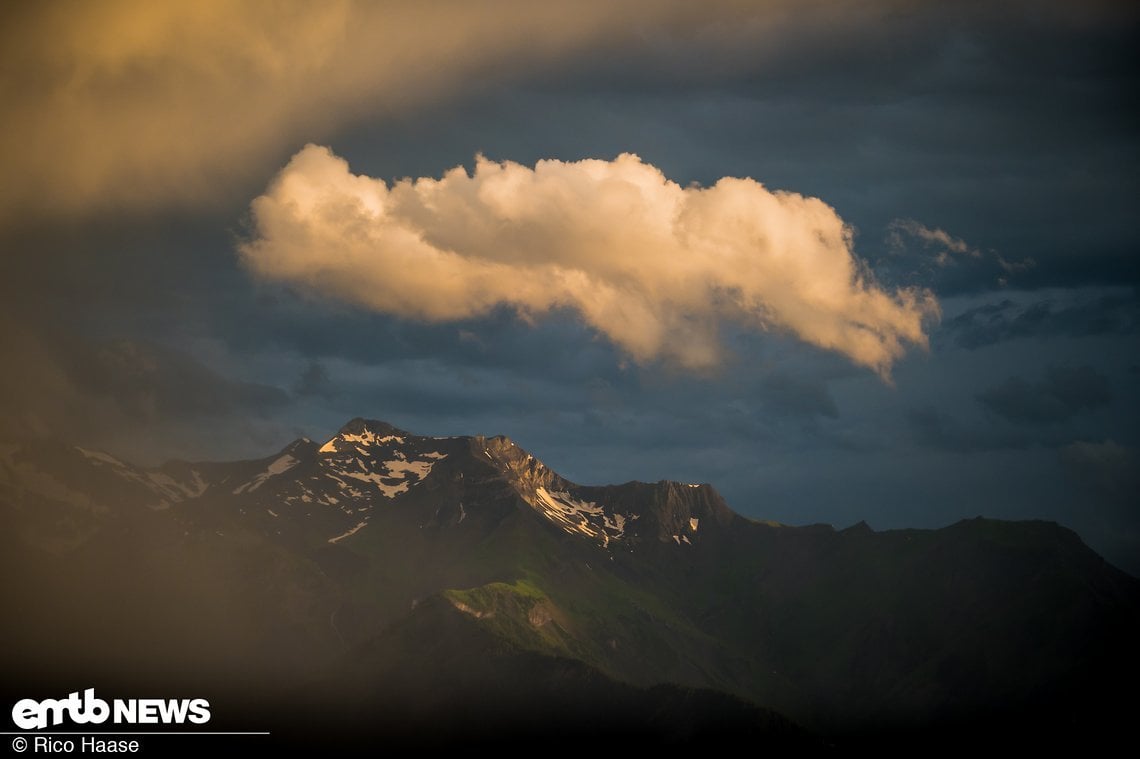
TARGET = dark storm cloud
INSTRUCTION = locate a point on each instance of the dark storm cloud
(428, 388)
(1116, 312)
(1106, 478)
(648, 409)
(148, 381)
(938, 260)
(934, 428)
(937, 430)
(142, 400)
(554, 347)
(314, 381)
(1061, 394)
(782, 394)
(1110, 468)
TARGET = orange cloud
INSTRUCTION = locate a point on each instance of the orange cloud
(654, 267)
(133, 103)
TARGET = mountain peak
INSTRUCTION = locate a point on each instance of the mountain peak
(300, 446)
(366, 432)
(667, 511)
(360, 425)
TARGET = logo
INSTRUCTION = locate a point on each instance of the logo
(29, 714)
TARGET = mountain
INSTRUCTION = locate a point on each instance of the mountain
(461, 584)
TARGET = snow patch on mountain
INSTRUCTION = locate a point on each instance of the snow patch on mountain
(581, 517)
(105, 458)
(176, 489)
(420, 469)
(391, 490)
(365, 438)
(279, 466)
(167, 488)
(392, 477)
(359, 526)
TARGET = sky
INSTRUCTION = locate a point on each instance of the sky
(845, 261)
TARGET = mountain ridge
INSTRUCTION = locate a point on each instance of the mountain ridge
(287, 567)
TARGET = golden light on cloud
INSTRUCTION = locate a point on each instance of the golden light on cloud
(131, 103)
(655, 267)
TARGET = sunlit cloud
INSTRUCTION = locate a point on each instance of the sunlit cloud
(130, 104)
(135, 104)
(656, 268)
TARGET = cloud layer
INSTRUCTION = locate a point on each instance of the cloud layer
(137, 105)
(130, 104)
(655, 267)
(1063, 393)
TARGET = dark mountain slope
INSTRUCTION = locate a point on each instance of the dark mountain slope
(317, 564)
(438, 678)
